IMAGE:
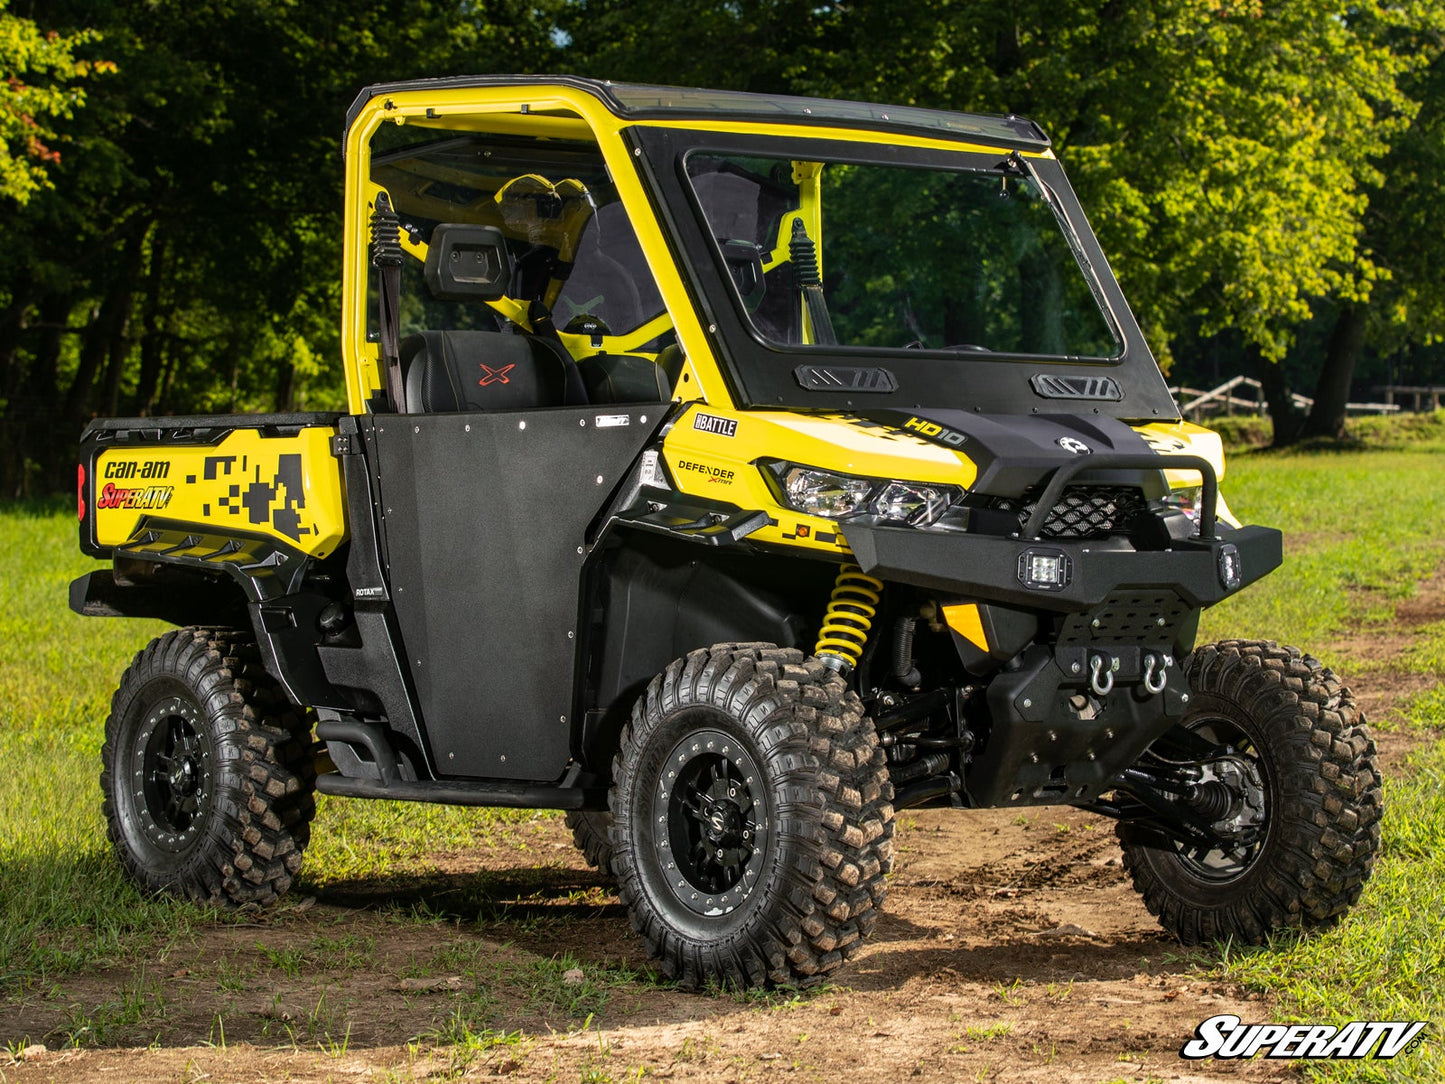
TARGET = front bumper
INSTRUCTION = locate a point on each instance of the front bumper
(987, 568)
(1126, 619)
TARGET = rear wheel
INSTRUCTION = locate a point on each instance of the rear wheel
(207, 772)
(1300, 801)
(752, 818)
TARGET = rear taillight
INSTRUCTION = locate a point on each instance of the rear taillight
(80, 491)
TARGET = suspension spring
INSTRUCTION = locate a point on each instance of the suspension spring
(850, 613)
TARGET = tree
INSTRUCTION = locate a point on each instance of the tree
(1224, 148)
(1404, 234)
(188, 255)
(37, 73)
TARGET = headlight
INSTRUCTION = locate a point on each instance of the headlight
(822, 494)
(1186, 500)
(834, 496)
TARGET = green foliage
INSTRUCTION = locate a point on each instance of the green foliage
(188, 256)
(38, 70)
(1223, 149)
(1250, 167)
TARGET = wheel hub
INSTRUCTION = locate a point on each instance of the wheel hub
(1232, 792)
(724, 819)
(170, 777)
(712, 813)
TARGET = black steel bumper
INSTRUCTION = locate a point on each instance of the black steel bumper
(987, 568)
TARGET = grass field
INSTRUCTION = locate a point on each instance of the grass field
(1364, 530)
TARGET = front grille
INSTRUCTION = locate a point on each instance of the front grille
(1091, 512)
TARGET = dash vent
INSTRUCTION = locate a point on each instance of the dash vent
(1099, 388)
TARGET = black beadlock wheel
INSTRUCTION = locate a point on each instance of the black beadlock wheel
(592, 835)
(752, 818)
(207, 772)
(1304, 801)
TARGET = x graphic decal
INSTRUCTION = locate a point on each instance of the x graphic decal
(493, 376)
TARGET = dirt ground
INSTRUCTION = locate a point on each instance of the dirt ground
(1012, 948)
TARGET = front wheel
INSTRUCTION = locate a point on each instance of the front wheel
(752, 818)
(1303, 821)
(207, 772)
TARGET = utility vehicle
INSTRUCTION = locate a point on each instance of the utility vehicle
(730, 472)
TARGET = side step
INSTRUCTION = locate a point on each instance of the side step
(455, 792)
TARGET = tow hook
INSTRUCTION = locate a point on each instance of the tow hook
(1156, 674)
(1100, 679)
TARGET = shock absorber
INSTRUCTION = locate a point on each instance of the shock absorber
(849, 616)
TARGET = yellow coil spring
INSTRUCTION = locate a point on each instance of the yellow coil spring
(849, 616)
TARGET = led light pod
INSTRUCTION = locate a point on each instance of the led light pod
(1045, 570)
(1231, 567)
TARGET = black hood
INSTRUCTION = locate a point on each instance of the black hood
(1013, 452)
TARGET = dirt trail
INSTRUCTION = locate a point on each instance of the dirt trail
(1012, 949)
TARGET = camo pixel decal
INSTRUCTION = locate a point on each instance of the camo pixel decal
(250, 483)
(276, 501)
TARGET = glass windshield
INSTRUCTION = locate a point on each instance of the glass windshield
(568, 237)
(885, 256)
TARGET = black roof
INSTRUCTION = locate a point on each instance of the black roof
(637, 101)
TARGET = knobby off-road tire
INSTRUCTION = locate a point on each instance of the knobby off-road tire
(1322, 800)
(752, 818)
(207, 772)
(592, 833)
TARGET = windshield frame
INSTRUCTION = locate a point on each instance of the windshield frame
(761, 372)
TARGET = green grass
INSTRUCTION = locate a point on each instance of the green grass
(1398, 432)
(1361, 530)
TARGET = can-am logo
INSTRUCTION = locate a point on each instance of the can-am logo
(1226, 1036)
(1070, 444)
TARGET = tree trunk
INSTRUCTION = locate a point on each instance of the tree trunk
(12, 324)
(285, 387)
(28, 432)
(1287, 418)
(152, 345)
(101, 344)
(116, 331)
(1347, 340)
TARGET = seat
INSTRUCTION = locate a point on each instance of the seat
(449, 371)
(625, 378)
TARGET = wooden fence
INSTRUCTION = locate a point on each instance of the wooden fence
(1195, 403)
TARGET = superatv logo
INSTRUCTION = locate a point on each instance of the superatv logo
(112, 496)
(140, 469)
(933, 431)
(1225, 1036)
(713, 474)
